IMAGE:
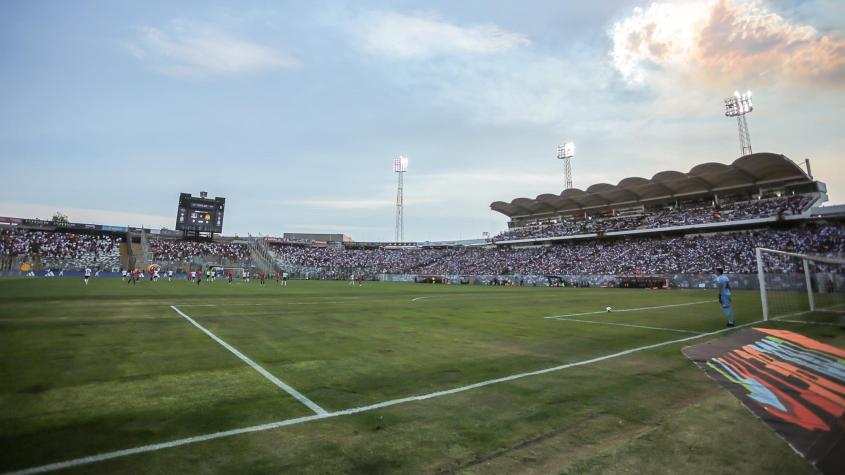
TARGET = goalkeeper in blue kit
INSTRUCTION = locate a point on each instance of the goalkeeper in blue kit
(725, 295)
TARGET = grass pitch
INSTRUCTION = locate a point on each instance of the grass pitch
(107, 367)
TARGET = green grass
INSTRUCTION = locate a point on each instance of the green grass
(94, 369)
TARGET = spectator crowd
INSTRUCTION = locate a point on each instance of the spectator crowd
(22, 243)
(178, 250)
(734, 251)
(61, 249)
(665, 217)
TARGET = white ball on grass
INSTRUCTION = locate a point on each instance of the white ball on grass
(609, 309)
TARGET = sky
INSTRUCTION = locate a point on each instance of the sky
(294, 111)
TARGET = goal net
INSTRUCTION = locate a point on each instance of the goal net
(801, 286)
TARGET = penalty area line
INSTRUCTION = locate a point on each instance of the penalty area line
(638, 309)
(278, 382)
(355, 410)
(629, 325)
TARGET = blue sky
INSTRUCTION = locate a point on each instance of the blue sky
(295, 110)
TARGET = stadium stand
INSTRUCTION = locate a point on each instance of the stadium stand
(62, 250)
(678, 216)
(631, 255)
(756, 187)
(179, 250)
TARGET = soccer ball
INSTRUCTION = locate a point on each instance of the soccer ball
(609, 309)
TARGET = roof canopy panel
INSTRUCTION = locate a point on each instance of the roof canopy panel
(749, 170)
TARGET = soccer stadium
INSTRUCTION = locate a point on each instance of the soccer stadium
(689, 318)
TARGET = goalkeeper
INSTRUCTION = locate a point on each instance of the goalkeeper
(725, 295)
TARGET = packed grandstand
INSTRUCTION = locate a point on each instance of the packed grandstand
(673, 225)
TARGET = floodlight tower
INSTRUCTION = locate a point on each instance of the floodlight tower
(737, 106)
(400, 166)
(566, 152)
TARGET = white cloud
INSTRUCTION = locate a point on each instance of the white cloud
(528, 89)
(86, 215)
(719, 43)
(399, 36)
(191, 51)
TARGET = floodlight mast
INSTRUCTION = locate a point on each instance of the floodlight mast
(566, 152)
(400, 166)
(737, 106)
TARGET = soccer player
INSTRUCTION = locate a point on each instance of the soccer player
(87, 275)
(123, 274)
(725, 295)
(284, 279)
(155, 275)
(170, 275)
(351, 279)
(261, 276)
(229, 275)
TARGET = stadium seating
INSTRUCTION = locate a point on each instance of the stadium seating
(676, 254)
(660, 218)
(175, 250)
(62, 250)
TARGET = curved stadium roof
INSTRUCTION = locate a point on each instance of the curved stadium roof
(750, 170)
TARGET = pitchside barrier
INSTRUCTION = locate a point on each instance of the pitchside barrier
(792, 281)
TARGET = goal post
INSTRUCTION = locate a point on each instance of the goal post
(800, 285)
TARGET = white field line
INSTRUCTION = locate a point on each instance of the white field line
(354, 410)
(625, 325)
(275, 304)
(421, 298)
(793, 314)
(828, 310)
(278, 382)
(809, 322)
(631, 309)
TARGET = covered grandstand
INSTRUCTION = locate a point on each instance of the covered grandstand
(751, 176)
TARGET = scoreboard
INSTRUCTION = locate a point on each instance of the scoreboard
(200, 214)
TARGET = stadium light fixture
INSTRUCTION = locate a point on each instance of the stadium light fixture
(566, 152)
(400, 166)
(738, 106)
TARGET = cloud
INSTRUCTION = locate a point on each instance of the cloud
(192, 51)
(528, 88)
(86, 215)
(397, 36)
(722, 43)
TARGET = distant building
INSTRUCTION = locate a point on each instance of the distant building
(317, 237)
